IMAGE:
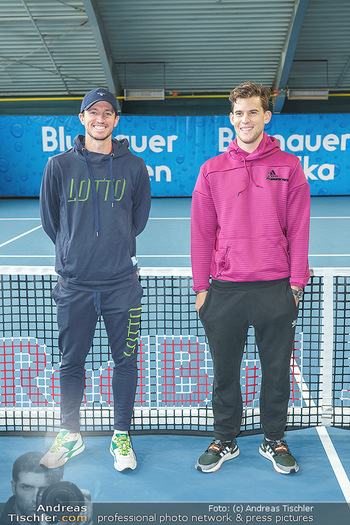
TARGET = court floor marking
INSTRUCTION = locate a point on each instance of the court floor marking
(19, 236)
(189, 218)
(158, 218)
(149, 255)
(335, 462)
(154, 256)
(325, 439)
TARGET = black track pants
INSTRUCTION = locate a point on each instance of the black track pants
(229, 309)
(77, 315)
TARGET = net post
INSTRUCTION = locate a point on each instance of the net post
(326, 371)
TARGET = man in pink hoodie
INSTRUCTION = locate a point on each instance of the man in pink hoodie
(249, 249)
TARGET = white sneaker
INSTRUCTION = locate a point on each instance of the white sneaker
(122, 451)
(66, 445)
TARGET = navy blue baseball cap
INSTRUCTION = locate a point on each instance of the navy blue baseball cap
(98, 95)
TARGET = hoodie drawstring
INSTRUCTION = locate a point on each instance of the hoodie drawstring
(266, 147)
(97, 303)
(250, 178)
(111, 178)
(94, 191)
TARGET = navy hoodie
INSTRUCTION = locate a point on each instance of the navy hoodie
(92, 207)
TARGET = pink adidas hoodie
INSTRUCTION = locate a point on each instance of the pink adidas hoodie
(250, 217)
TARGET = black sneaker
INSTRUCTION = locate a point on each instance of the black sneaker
(278, 452)
(216, 454)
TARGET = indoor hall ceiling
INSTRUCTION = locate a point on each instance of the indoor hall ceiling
(64, 48)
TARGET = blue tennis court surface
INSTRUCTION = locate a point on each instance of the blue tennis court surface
(166, 239)
(166, 470)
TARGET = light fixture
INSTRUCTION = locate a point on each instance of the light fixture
(144, 94)
(307, 94)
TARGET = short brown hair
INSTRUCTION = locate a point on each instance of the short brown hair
(248, 90)
(30, 462)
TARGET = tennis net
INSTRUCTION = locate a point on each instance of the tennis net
(175, 368)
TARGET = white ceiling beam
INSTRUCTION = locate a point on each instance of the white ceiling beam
(103, 47)
(57, 69)
(288, 52)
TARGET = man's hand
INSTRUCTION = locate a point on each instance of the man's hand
(201, 296)
(295, 297)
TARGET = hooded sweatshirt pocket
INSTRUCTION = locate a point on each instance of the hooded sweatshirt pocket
(258, 258)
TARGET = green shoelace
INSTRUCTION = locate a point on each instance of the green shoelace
(122, 442)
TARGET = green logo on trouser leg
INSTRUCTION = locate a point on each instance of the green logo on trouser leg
(133, 330)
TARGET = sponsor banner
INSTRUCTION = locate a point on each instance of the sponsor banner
(174, 148)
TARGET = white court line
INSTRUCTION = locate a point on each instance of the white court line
(326, 441)
(155, 256)
(19, 236)
(345, 217)
(152, 218)
(53, 255)
(149, 256)
(335, 462)
(163, 256)
(304, 390)
(189, 218)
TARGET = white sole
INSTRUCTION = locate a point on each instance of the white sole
(277, 469)
(125, 469)
(218, 465)
(62, 461)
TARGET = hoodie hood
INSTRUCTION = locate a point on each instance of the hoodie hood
(267, 146)
(119, 148)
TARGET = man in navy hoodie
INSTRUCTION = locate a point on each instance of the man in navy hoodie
(95, 199)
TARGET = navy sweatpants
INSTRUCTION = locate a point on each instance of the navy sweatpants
(228, 311)
(77, 315)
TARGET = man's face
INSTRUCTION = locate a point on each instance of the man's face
(99, 120)
(26, 490)
(249, 119)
